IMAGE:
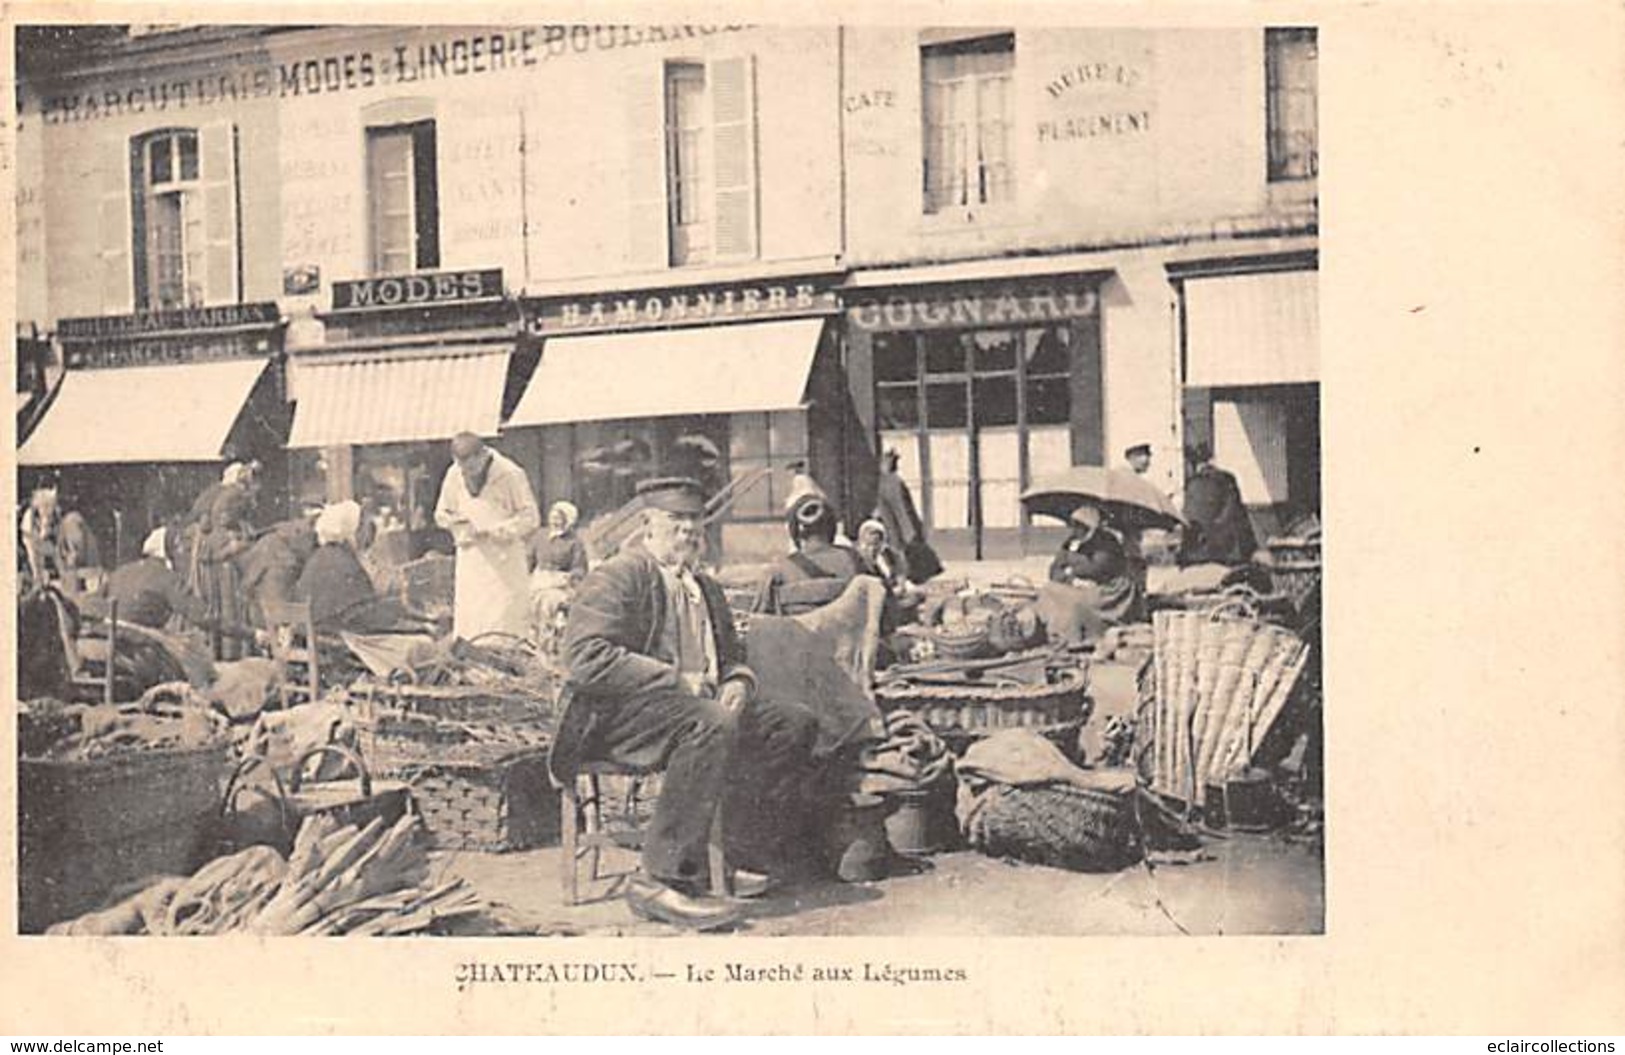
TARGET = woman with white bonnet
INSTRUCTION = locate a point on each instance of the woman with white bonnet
(148, 591)
(338, 588)
(558, 561)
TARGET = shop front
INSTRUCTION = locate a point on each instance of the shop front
(149, 409)
(981, 388)
(733, 385)
(1251, 375)
(407, 362)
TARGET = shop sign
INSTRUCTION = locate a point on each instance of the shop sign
(150, 322)
(1012, 306)
(412, 61)
(681, 307)
(199, 347)
(414, 291)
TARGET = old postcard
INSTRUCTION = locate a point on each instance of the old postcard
(729, 519)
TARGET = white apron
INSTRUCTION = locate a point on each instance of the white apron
(493, 592)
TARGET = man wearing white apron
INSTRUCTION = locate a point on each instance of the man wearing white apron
(487, 505)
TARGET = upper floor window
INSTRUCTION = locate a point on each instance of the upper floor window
(687, 172)
(183, 248)
(403, 197)
(709, 141)
(1293, 91)
(968, 120)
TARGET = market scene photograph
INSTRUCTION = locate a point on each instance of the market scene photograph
(551, 480)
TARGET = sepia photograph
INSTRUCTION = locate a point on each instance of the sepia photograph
(664, 480)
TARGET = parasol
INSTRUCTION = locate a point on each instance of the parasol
(1130, 502)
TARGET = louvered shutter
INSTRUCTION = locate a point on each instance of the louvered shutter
(732, 83)
(644, 107)
(217, 150)
(113, 227)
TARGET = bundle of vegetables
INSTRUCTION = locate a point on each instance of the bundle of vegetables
(171, 716)
(337, 880)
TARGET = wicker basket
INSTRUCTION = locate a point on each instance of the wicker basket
(980, 709)
(483, 797)
(89, 827)
(472, 703)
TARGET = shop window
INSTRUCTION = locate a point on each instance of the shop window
(946, 405)
(996, 400)
(183, 233)
(1291, 58)
(773, 441)
(896, 357)
(710, 161)
(944, 353)
(898, 406)
(968, 121)
(404, 198)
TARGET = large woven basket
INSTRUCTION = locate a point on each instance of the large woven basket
(88, 827)
(984, 708)
(493, 798)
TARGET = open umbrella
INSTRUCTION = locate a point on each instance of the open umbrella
(1131, 502)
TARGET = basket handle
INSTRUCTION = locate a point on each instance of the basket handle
(298, 776)
(1238, 605)
(228, 804)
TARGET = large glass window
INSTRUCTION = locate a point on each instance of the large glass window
(403, 192)
(1291, 58)
(968, 121)
(765, 445)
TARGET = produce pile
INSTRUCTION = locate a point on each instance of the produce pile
(168, 717)
(371, 880)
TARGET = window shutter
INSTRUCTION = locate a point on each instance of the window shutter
(113, 227)
(644, 107)
(733, 123)
(217, 157)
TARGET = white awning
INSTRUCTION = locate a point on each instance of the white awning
(172, 413)
(662, 373)
(1261, 329)
(398, 399)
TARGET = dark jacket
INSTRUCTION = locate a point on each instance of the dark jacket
(1218, 530)
(1098, 559)
(271, 567)
(148, 593)
(336, 585)
(807, 579)
(564, 553)
(616, 621)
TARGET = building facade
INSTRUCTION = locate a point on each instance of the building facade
(717, 250)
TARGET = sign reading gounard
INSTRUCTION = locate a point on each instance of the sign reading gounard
(414, 291)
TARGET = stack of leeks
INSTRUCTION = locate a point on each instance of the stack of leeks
(1221, 682)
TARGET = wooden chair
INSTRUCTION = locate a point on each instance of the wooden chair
(99, 686)
(846, 631)
(293, 645)
(582, 830)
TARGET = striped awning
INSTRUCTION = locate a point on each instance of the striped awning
(182, 412)
(1259, 329)
(397, 398)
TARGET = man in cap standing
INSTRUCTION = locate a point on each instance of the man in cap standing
(487, 505)
(1138, 458)
(658, 678)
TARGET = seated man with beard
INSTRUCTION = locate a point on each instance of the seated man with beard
(659, 680)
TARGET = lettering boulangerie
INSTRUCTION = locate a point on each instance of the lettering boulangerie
(389, 66)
